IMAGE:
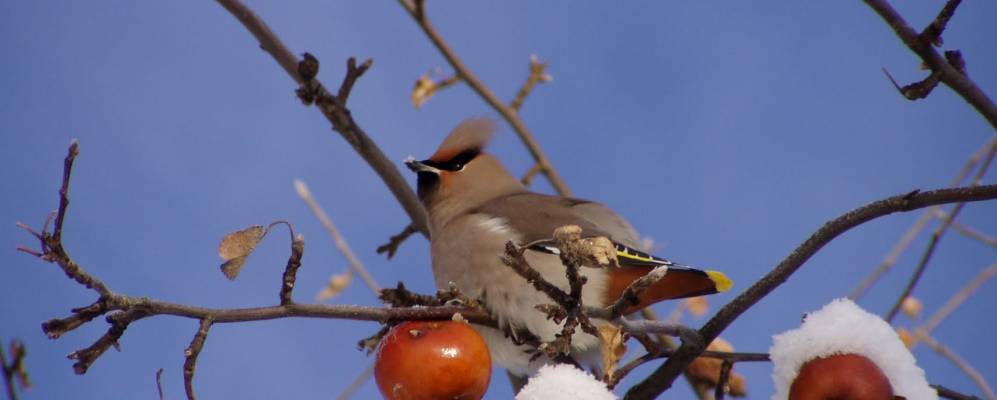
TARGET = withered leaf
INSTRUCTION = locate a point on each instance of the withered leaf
(706, 370)
(237, 246)
(612, 346)
(337, 284)
(425, 88)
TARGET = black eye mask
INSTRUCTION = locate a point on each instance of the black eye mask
(455, 163)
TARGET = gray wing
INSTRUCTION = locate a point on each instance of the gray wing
(535, 216)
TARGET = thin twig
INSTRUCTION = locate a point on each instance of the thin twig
(119, 322)
(662, 378)
(353, 72)
(531, 173)
(357, 382)
(701, 391)
(159, 383)
(396, 240)
(721, 355)
(969, 231)
(957, 299)
(947, 393)
(538, 74)
(723, 380)
(8, 372)
(60, 217)
(950, 74)
(291, 269)
(190, 356)
(959, 362)
(631, 295)
(891, 258)
(933, 32)
(337, 238)
(417, 11)
(936, 237)
(336, 112)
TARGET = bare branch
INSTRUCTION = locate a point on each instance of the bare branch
(969, 231)
(538, 74)
(963, 365)
(933, 32)
(722, 381)
(631, 296)
(352, 74)
(935, 238)
(662, 378)
(337, 238)
(396, 240)
(957, 299)
(918, 226)
(159, 383)
(357, 382)
(947, 393)
(291, 270)
(950, 74)
(60, 217)
(335, 111)
(190, 356)
(14, 369)
(119, 322)
(417, 11)
(527, 179)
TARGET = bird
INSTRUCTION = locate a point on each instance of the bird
(475, 206)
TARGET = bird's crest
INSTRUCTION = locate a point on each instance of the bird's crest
(472, 134)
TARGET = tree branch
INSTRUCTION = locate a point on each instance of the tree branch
(190, 356)
(935, 238)
(337, 238)
(335, 111)
(538, 74)
(959, 362)
(918, 226)
(950, 74)
(416, 10)
(662, 378)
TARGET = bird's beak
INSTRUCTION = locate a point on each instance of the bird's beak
(419, 166)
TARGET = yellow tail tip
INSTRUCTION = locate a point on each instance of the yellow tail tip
(721, 281)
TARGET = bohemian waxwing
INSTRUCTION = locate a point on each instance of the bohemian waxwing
(475, 206)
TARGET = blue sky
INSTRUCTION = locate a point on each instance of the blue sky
(727, 132)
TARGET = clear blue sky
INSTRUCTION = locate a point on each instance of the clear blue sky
(728, 132)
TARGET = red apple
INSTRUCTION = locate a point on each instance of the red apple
(433, 360)
(841, 377)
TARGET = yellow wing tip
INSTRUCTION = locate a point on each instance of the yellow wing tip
(721, 281)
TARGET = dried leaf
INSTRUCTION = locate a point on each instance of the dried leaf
(707, 370)
(425, 87)
(613, 346)
(912, 307)
(697, 306)
(337, 284)
(237, 246)
(601, 250)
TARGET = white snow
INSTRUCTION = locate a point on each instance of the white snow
(564, 382)
(843, 327)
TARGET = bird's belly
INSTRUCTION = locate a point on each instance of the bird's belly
(473, 263)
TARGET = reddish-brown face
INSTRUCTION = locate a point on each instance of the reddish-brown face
(841, 377)
(433, 360)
